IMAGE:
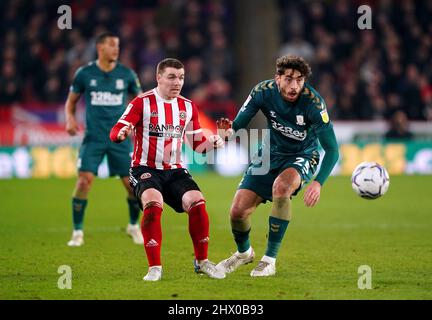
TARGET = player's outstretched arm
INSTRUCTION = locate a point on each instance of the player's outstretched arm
(125, 125)
(328, 141)
(124, 132)
(70, 109)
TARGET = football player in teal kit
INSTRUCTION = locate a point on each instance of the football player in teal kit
(105, 84)
(297, 118)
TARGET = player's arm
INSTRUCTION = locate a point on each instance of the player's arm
(76, 89)
(328, 142)
(249, 109)
(125, 125)
(324, 129)
(195, 138)
(70, 111)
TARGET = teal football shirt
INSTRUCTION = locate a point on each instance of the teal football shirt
(105, 94)
(295, 127)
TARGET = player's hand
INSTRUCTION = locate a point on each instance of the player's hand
(217, 141)
(312, 194)
(124, 132)
(224, 126)
(71, 126)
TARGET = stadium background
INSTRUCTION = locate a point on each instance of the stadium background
(365, 76)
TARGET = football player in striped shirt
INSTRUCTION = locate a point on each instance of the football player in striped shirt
(161, 118)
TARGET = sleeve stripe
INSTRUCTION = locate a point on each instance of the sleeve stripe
(194, 132)
(124, 122)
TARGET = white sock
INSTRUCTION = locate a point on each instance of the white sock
(269, 259)
(246, 254)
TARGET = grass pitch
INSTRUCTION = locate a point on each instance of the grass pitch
(319, 258)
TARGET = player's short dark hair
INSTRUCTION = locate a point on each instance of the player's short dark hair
(101, 38)
(169, 63)
(295, 63)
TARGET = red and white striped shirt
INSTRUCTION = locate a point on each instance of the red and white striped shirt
(160, 126)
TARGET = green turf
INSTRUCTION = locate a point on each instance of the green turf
(319, 258)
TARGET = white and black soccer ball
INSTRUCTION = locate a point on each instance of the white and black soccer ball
(370, 180)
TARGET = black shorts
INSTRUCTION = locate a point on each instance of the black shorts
(173, 184)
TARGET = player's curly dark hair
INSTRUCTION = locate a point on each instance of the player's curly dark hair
(295, 63)
(169, 62)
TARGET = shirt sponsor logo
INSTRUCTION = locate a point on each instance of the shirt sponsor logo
(166, 131)
(105, 98)
(289, 132)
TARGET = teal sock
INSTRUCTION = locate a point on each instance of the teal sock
(241, 238)
(277, 228)
(78, 209)
(134, 210)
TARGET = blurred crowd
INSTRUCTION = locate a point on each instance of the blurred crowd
(365, 74)
(38, 60)
(362, 74)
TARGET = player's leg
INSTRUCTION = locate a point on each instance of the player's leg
(132, 228)
(151, 228)
(147, 188)
(119, 162)
(79, 204)
(90, 156)
(287, 182)
(193, 203)
(183, 195)
(244, 204)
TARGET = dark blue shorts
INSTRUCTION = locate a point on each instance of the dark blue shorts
(91, 154)
(262, 185)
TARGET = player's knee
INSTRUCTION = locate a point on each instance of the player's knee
(151, 204)
(196, 204)
(83, 184)
(191, 199)
(282, 189)
(239, 212)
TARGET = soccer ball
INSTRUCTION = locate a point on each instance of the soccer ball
(370, 180)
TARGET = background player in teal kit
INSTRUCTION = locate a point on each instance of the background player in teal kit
(105, 84)
(297, 118)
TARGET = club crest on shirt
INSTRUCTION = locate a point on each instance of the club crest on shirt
(182, 115)
(145, 175)
(93, 83)
(119, 84)
(300, 120)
